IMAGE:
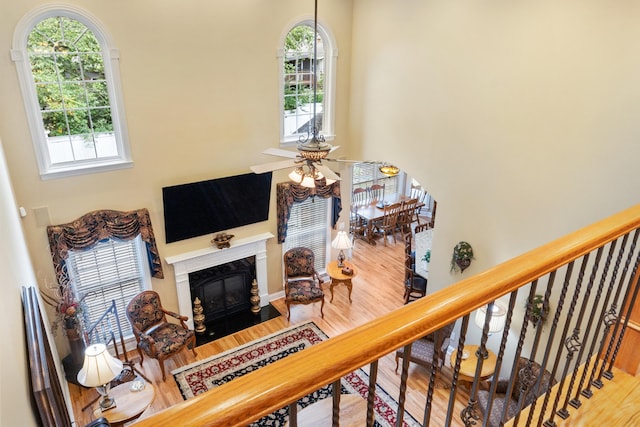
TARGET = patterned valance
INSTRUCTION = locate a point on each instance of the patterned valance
(95, 226)
(288, 193)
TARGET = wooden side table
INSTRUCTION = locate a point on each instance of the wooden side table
(129, 404)
(468, 366)
(338, 277)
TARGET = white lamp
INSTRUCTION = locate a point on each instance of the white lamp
(99, 368)
(496, 323)
(342, 241)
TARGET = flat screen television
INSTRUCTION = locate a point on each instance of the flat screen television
(204, 207)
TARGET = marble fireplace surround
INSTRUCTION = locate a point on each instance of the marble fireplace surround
(188, 262)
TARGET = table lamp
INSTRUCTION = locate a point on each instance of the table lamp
(496, 323)
(98, 369)
(342, 241)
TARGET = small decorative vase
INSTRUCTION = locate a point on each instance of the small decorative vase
(463, 263)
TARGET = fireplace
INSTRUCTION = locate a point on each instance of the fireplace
(192, 264)
(225, 289)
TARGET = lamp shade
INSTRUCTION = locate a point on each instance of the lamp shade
(342, 241)
(498, 318)
(99, 367)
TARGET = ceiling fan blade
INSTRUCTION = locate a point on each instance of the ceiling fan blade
(281, 153)
(272, 166)
(327, 172)
(333, 148)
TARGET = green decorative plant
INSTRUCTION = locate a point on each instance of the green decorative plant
(462, 256)
(539, 310)
(427, 256)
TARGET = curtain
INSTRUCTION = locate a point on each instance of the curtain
(95, 226)
(288, 193)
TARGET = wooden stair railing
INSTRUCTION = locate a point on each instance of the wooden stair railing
(259, 393)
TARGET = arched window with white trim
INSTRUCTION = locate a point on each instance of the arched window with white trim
(68, 72)
(299, 71)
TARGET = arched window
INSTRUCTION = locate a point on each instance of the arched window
(299, 70)
(68, 72)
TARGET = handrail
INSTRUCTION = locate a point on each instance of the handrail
(259, 393)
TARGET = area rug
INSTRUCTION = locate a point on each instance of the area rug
(222, 368)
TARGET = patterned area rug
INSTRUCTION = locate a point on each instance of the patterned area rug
(221, 368)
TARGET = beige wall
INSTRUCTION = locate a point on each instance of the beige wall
(200, 83)
(520, 117)
(15, 394)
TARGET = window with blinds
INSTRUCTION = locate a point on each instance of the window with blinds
(368, 173)
(309, 227)
(111, 270)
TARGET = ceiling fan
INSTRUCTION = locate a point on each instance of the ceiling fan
(312, 148)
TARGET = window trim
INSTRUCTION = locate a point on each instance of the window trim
(111, 58)
(330, 60)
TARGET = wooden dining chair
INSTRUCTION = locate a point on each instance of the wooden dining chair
(415, 286)
(387, 225)
(406, 216)
(376, 192)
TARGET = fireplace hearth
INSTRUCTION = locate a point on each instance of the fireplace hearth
(246, 255)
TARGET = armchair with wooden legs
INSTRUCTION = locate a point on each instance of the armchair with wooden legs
(429, 351)
(155, 336)
(302, 285)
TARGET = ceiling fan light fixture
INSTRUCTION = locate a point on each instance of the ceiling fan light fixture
(389, 170)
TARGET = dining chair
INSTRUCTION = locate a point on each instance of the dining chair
(376, 192)
(387, 225)
(415, 286)
(359, 196)
(407, 215)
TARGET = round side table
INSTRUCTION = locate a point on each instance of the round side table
(338, 277)
(129, 404)
(467, 371)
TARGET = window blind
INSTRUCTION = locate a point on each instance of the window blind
(111, 270)
(308, 226)
(368, 173)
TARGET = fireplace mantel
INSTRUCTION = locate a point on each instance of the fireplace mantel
(188, 262)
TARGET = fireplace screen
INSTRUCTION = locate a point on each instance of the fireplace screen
(224, 289)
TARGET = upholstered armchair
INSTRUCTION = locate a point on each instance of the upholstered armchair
(422, 350)
(157, 337)
(522, 389)
(302, 284)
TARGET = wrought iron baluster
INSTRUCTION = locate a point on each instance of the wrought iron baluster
(632, 291)
(572, 343)
(547, 352)
(594, 338)
(371, 396)
(576, 339)
(435, 367)
(456, 370)
(293, 414)
(611, 318)
(336, 403)
(498, 368)
(605, 320)
(403, 384)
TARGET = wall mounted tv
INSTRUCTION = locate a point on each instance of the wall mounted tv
(215, 205)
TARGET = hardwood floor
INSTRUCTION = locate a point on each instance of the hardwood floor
(377, 289)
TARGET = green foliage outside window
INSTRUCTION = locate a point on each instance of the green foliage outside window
(68, 71)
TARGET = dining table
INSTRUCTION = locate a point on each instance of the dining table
(372, 212)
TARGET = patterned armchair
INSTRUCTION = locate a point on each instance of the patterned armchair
(523, 389)
(157, 337)
(422, 350)
(302, 284)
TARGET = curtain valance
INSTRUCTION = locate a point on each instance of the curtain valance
(288, 193)
(95, 226)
